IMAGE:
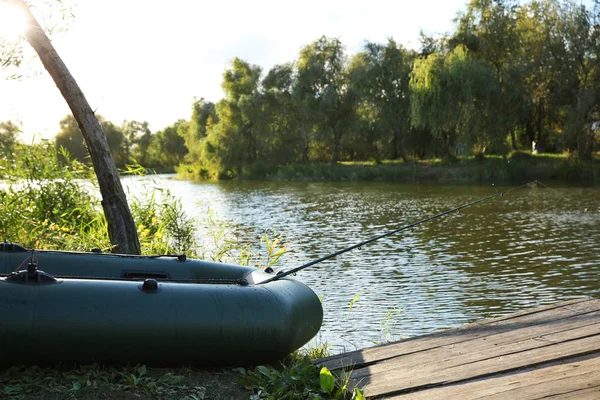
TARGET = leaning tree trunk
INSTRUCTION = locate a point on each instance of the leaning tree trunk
(121, 227)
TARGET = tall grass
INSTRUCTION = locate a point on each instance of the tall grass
(49, 200)
(44, 204)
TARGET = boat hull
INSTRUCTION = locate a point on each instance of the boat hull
(195, 312)
(83, 321)
(105, 265)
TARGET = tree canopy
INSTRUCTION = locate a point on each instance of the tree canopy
(510, 73)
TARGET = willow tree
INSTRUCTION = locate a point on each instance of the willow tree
(573, 37)
(121, 227)
(380, 76)
(323, 84)
(281, 135)
(454, 96)
(490, 30)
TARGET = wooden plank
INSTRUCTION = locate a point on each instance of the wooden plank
(541, 390)
(574, 375)
(591, 393)
(365, 357)
(490, 346)
(575, 304)
(397, 380)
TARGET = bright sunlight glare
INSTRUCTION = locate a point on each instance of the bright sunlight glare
(12, 22)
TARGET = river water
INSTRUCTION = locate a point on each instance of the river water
(530, 247)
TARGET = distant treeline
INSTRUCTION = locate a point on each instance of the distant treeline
(131, 142)
(510, 74)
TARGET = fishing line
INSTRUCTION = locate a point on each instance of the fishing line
(402, 228)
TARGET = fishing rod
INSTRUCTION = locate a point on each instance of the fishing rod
(402, 228)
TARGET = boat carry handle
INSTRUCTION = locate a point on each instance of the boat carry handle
(145, 275)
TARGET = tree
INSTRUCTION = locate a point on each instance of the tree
(167, 147)
(454, 96)
(115, 139)
(489, 29)
(203, 115)
(280, 131)
(380, 75)
(231, 143)
(323, 87)
(135, 141)
(8, 138)
(121, 227)
(573, 35)
(71, 139)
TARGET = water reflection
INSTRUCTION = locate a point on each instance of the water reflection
(531, 247)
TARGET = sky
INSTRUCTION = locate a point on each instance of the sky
(148, 60)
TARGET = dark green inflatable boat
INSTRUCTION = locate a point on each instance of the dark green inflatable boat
(95, 307)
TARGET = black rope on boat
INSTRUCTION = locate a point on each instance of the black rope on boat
(403, 228)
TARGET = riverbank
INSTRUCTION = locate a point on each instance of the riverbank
(295, 378)
(120, 383)
(517, 167)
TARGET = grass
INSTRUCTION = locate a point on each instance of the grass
(120, 383)
(296, 378)
(516, 167)
(299, 379)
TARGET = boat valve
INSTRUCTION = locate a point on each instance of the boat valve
(149, 286)
(32, 276)
(31, 270)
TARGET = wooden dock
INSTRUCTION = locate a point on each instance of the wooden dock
(548, 352)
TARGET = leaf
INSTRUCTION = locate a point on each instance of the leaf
(358, 394)
(327, 380)
(264, 370)
(351, 304)
(142, 370)
(279, 253)
(76, 386)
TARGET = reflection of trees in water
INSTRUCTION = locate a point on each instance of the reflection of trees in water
(529, 248)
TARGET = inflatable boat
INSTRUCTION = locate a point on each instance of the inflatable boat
(77, 307)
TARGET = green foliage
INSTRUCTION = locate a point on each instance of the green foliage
(162, 224)
(71, 139)
(299, 380)
(132, 142)
(520, 155)
(326, 380)
(167, 147)
(204, 115)
(273, 247)
(455, 97)
(47, 201)
(323, 85)
(388, 326)
(511, 73)
(231, 142)
(380, 76)
(90, 380)
(8, 138)
(44, 204)
(136, 141)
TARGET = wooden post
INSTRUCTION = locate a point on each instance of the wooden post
(121, 227)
